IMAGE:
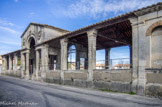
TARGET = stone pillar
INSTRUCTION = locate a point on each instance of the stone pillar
(27, 64)
(44, 52)
(15, 62)
(37, 63)
(135, 55)
(138, 60)
(107, 58)
(91, 53)
(64, 43)
(22, 65)
(10, 64)
(4, 67)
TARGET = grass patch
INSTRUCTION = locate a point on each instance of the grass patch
(107, 90)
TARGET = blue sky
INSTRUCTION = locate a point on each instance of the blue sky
(15, 15)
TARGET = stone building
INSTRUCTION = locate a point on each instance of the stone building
(45, 51)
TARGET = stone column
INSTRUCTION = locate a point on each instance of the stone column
(44, 52)
(15, 62)
(27, 64)
(91, 52)
(10, 64)
(64, 43)
(37, 63)
(22, 65)
(135, 54)
(107, 58)
(138, 60)
(4, 65)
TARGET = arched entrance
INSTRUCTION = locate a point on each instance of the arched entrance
(32, 57)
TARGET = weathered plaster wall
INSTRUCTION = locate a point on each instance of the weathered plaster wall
(54, 75)
(75, 75)
(50, 33)
(113, 75)
(154, 78)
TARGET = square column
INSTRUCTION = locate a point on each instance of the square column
(107, 58)
(27, 64)
(138, 60)
(91, 52)
(64, 43)
(4, 64)
(45, 55)
(22, 65)
(10, 63)
(15, 62)
(37, 63)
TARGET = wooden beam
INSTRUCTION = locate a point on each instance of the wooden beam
(117, 41)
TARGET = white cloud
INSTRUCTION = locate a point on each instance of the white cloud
(6, 22)
(100, 8)
(9, 30)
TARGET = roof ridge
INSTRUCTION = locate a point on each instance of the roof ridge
(49, 26)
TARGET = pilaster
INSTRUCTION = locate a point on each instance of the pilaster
(37, 63)
(44, 52)
(91, 52)
(64, 43)
(15, 62)
(138, 58)
(27, 64)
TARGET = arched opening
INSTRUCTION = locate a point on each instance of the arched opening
(156, 47)
(32, 57)
(72, 57)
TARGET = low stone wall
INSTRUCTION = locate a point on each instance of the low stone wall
(115, 80)
(68, 75)
(113, 75)
(154, 78)
(55, 75)
(76, 78)
(12, 73)
(154, 82)
(52, 76)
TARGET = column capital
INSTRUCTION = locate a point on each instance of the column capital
(27, 51)
(133, 20)
(38, 48)
(92, 32)
(15, 54)
(46, 45)
(64, 41)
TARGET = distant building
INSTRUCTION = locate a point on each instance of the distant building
(122, 66)
(100, 66)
